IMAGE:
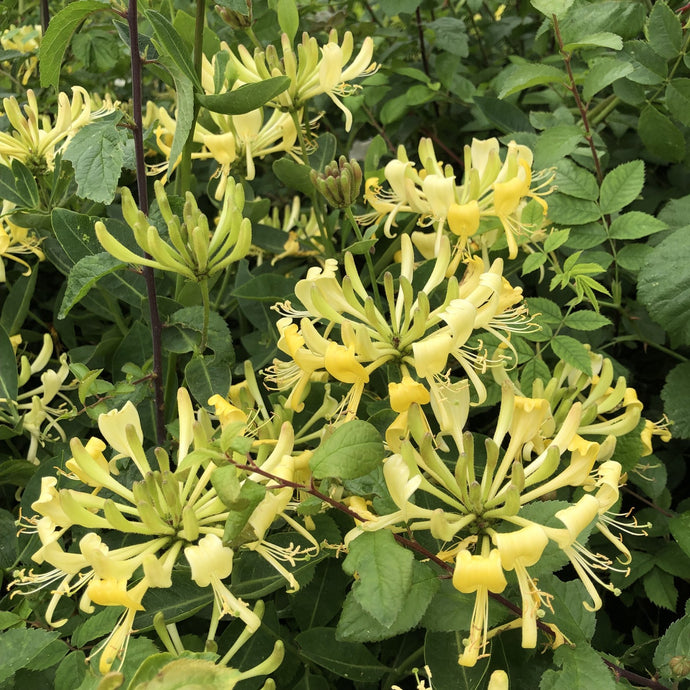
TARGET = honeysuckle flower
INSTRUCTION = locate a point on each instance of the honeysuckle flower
(492, 190)
(313, 70)
(481, 574)
(16, 241)
(33, 139)
(363, 337)
(23, 39)
(654, 429)
(194, 251)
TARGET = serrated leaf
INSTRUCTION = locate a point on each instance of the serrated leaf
(245, 98)
(550, 7)
(603, 73)
(676, 399)
(384, 574)
(664, 31)
(84, 275)
(663, 285)
(680, 529)
(634, 225)
(357, 625)
(580, 668)
(515, 78)
(660, 590)
(555, 239)
(532, 262)
(650, 68)
(575, 181)
(96, 625)
(555, 143)
(621, 186)
(678, 100)
(550, 312)
(96, 153)
(674, 643)
(632, 257)
(58, 35)
(352, 450)
(346, 659)
(19, 647)
(450, 35)
(533, 370)
(573, 352)
(660, 136)
(567, 210)
(586, 320)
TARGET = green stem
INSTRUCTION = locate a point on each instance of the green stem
(206, 303)
(367, 258)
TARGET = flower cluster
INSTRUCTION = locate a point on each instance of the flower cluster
(15, 241)
(189, 507)
(23, 39)
(493, 191)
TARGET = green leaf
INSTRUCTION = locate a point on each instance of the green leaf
(515, 78)
(319, 602)
(250, 495)
(587, 236)
(550, 7)
(17, 301)
(632, 257)
(245, 98)
(384, 570)
(25, 184)
(567, 210)
(663, 285)
(394, 7)
(602, 73)
(635, 224)
(580, 668)
(572, 352)
(288, 17)
(182, 332)
(357, 625)
(573, 619)
(96, 153)
(660, 590)
(650, 68)
(293, 175)
(531, 371)
(586, 320)
(84, 275)
(664, 31)
(8, 371)
(185, 24)
(352, 450)
(450, 36)
(58, 35)
(171, 44)
(676, 399)
(675, 643)
(575, 181)
(346, 659)
(621, 186)
(533, 262)
(660, 136)
(555, 143)
(8, 539)
(678, 100)
(505, 116)
(555, 239)
(267, 287)
(602, 39)
(680, 529)
(184, 91)
(96, 625)
(548, 310)
(207, 375)
(22, 647)
(71, 671)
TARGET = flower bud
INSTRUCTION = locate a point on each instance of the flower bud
(339, 183)
(237, 20)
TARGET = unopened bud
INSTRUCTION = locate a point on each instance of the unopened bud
(680, 666)
(237, 20)
(339, 183)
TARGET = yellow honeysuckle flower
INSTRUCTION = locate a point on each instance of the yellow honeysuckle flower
(499, 678)
(16, 241)
(226, 412)
(481, 574)
(23, 39)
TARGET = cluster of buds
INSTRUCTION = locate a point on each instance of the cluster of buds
(196, 252)
(198, 505)
(409, 333)
(33, 139)
(339, 183)
(35, 410)
(485, 518)
(14, 241)
(492, 190)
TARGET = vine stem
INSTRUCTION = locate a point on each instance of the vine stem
(143, 199)
(572, 87)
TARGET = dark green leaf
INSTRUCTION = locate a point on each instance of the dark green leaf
(567, 210)
(450, 36)
(550, 7)
(555, 143)
(632, 257)
(678, 100)
(16, 304)
(207, 376)
(8, 369)
(680, 529)
(21, 647)
(575, 181)
(676, 399)
(602, 73)
(267, 287)
(96, 625)
(664, 31)
(675, 643)
(245, 98)
(345, 659)
(586, 320)
(319, 602)
(660, 590)
(661, 137)
(508, 118)
(621, 186)
(515, 78)
(394, 7)
(531, 371)
(57, 37)
(581, 668)
(293, 175)
(184, 91)
(664, 285)
(602, 39)
(25, 184)
(84, 275)
(352, 450)
(8, 540)
(9, 190)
